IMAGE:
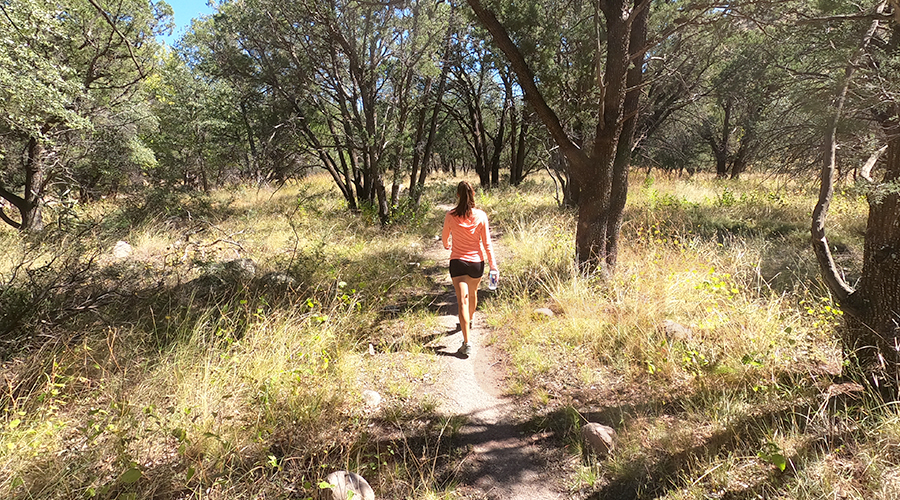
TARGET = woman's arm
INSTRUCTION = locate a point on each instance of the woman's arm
(445, 235)
(488, 245)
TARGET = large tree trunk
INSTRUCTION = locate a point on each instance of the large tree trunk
(873, 333)
(30, 204)
(594, 174)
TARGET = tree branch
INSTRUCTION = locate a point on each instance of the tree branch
(846, 17)
(116, 30)
(17, 201)
(5, 218)
(866, 171)
(527, 81)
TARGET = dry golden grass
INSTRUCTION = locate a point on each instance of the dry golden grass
(224, 392)
(181, 388)
(730, 261)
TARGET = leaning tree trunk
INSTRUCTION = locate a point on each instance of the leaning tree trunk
(592, 174)
(871, 336)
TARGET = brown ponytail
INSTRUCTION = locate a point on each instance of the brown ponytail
(466, 202)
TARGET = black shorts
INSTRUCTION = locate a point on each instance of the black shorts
(466, 268)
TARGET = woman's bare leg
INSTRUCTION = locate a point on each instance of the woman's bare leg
(461, 285)
(473, 297)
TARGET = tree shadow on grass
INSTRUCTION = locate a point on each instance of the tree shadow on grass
(656, 470)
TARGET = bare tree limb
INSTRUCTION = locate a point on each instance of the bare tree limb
(847, 17)
(112, 24)
(526, 80)
(6, 218)
(866, 171)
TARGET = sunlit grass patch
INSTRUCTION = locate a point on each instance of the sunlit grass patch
(192, 383)
(199, 381)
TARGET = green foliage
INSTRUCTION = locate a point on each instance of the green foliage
(773, 454)
(70, 90)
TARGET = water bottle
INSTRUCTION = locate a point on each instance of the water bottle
(493, 278)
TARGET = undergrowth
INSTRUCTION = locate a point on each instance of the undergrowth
(227, 356)
(712, 350)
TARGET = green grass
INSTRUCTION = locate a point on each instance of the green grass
(154, 376)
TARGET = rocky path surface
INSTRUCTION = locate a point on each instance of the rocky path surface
(502, 462)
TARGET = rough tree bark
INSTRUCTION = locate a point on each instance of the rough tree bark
(30, 204)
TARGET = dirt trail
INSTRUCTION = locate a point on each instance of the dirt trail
(502, 461)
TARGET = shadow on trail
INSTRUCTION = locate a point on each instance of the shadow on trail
(499, 457)
(441, 351)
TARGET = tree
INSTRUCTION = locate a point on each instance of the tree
(200, 140)
(602, 173)
(868, 80)
(69, 85)
(343, 80)
(478, 105)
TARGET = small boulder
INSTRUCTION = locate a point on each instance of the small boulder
(371, 398)
(346, 485)
(675, 331)
(278, 281)
(241, 270)
(121, 250)
(542, 313)
(599, 437)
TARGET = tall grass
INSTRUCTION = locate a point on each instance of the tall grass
(166, 375)
(714, 406)
(178, 379)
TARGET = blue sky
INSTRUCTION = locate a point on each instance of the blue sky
(185, 10)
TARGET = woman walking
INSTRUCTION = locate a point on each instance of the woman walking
(467, 236)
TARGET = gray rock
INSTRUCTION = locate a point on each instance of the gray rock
(279, 280)
(675, 331)
(600, 438)
(240, 269)
(542, 313)
(344, 484)
(122, 250)
(371, 397)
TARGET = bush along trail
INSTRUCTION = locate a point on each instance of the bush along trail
(499, 458)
